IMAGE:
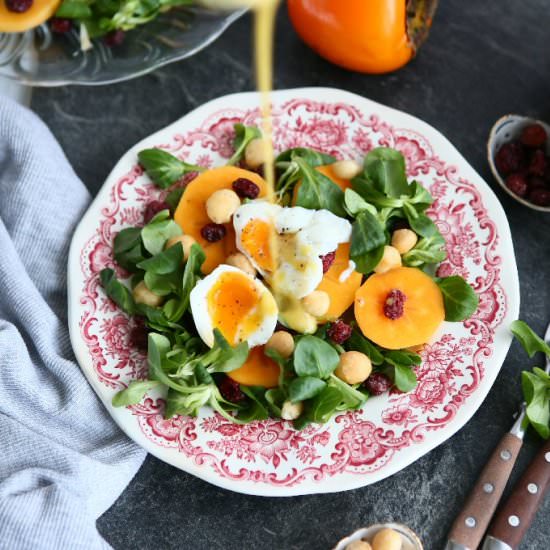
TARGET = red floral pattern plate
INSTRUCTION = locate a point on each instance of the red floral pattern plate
(353, 449)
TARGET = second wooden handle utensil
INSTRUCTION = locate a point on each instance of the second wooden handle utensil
(470, 525)
(514, 518)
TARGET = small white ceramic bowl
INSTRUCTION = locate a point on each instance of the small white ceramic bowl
(508, 128)
(409, 537)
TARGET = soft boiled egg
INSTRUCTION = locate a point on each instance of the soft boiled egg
(285, 243)
(241, 307)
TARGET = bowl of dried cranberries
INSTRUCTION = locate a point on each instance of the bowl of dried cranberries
(518, 151)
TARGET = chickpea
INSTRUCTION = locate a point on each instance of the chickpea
(186, 242)
(291, 411)
(354, 367)
(346, 169)
(254, 153)
(222, 204)
(240, 261)
(390, 259)
(316, 303)
(281, 342)
(142, 295)
(387, 539)
(404, 240)
(359, 545)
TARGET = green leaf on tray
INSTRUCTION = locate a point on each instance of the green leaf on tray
(459, 298)
(163, 168)
(536, 391)
(134, 393)
(314, 357)
(428, 250)
(531, 342)
(355, 203)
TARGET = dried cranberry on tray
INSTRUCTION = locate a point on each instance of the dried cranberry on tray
(524, 165)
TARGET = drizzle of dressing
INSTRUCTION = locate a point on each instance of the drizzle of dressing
(345, 275)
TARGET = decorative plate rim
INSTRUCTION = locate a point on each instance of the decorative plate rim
(346, 480)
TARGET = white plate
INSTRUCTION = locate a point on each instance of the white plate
(270, 458)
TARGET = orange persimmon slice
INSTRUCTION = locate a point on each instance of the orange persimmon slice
(341, 293)
(191, 213)
(40, 11)
(258, 370)
(422, 313)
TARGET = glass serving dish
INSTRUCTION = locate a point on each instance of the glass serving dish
(41, 58)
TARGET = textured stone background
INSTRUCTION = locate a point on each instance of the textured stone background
(483, 59)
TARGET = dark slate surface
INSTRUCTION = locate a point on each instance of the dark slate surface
(483, 59)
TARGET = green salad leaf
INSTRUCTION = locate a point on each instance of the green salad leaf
(529, 340)
(128, 249)
(119, 293)
(161, 228)
(134, 393)
(536, 391)
(317, 192)
(314, 357)
(163, 168)
(460, 299)
(305, 387)
(243, 136)
(164, 262)
(368, 239)
(385, 168)
(404, 378)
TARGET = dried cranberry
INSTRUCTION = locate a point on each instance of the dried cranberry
(138, 337)
(18, 6)
(231, 390)
(400, 223)
(509, 158)
(245, 188)
(213, 232)
(537, 166)
(377, 383)
(533, 135)
(114, 38)
(60, 25)
(152, 209)
(339, 331)
(328, 260)
(517, 183)
(395, 304)
(535, 182)
(540, 197)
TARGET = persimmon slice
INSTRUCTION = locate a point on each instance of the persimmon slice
(40, 11)
(341, 292)
(191, 213)
(415, 323)
(258, 370)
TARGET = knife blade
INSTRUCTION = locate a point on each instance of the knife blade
(471, 523)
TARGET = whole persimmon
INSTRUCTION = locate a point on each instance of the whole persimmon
(371, 36)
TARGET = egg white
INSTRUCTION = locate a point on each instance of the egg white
(201, 315)
(304, 236)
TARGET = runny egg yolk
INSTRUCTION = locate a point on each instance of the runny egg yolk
(237, 307)
(257, 239)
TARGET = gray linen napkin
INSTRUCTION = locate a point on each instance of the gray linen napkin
(63, 461)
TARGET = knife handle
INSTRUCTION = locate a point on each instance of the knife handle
(514, 518)
(471, 523)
